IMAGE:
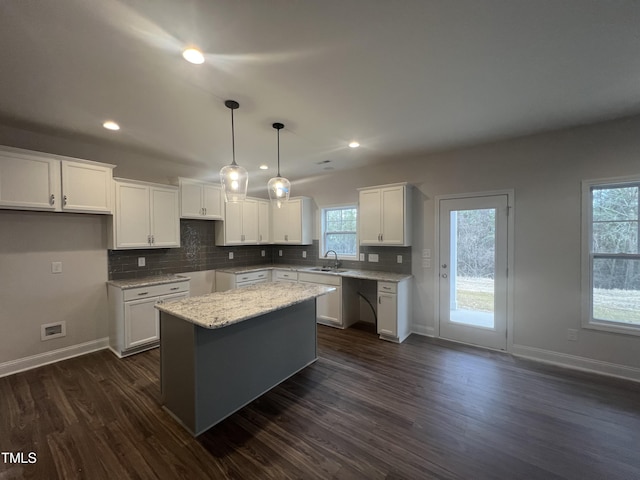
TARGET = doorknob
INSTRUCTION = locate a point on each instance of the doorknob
(444, 275)
(444, 265)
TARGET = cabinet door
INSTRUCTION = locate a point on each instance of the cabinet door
(263, 222)
(191, 200)
(250, 221)
(329, 308)
(29, 183)
(141, 322)
(212, 202)
(165, 217)
(86, 187)
(392, 215)
(279, 222)
(294, 221)
(369, 215)
(387, 314)
(132, 216)
(233, 223)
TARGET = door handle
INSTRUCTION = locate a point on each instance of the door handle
(444, 275)
(444, 265)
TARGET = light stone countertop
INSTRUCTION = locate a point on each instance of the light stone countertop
(350, 273)
(147, 281)
(217, 310)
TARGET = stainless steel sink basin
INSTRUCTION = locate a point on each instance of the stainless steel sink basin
(327, 270)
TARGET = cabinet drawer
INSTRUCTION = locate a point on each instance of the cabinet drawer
(286, 275)
(387, 287)
(155, 290)
(320, 278)
(251, 276)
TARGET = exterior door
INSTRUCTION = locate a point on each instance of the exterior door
(473, 262)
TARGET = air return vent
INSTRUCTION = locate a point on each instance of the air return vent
(49, 331)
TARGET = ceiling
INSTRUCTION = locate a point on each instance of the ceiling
(403, 77)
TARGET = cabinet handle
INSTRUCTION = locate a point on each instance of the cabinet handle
(64, 200)
(379, 299)
(153, 240)
(52, 199)
(382, 237)
(245, 278)
(205, 210)
(286, 238)
(260, 237)
(141, 294)
(174, 288)
(386, 288)
(149, 239)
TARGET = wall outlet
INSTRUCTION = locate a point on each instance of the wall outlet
(572, 334)
(373, 257)
(399, 258)
(49, 331)
(141, 261)
(56, 267)
(362, 257)
(262, 253)
(426, 263)
(304, 254)
(426, 253)
(279, 253)
(230, 255)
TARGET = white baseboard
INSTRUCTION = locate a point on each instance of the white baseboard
(577, 363)
(423, 330)
(34, 361)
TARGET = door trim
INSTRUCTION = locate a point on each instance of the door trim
(510, 193)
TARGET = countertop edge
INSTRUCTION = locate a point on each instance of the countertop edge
(352, 273)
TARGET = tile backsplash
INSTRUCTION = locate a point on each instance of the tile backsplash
(199, 252)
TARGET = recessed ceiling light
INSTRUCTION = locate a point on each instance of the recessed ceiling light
(354, 144)
(111, 125)
(264, 167)
(193, 55)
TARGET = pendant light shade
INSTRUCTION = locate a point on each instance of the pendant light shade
(233, 178)
(279, 187)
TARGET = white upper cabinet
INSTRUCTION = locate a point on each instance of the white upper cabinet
(146, 216)
(292, 223)
(241, 224)
(264, 222)
(200, 200)
(39, 181)
(385, 215)
(86, 187)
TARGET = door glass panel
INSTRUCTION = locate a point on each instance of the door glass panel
(473, 265)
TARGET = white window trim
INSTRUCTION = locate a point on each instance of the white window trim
(322, 248)
(586, 261)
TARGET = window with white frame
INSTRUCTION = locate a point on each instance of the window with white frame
(339, 231)
(611, 255)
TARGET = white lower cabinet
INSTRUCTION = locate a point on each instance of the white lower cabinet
(332, 309)
(228, 281)
(284, 275)
(393, 309)
(134, 322)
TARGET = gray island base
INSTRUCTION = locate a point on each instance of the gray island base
(208, 373)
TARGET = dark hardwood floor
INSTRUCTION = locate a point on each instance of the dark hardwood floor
(367, 409)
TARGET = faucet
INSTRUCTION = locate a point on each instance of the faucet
(337, 262)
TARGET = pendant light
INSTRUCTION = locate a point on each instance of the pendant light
(233, 178)
(279, 187)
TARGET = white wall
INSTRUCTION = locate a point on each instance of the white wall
(545, 171)
(30, 295)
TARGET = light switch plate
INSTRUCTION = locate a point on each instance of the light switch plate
(141, 261)
(230, 255)
(426, 253)
(56, 267)
(279, 253)
(426, 263)
(262, 253)
(399, 258)
(304, 254)
(373, 257)
(362, 257)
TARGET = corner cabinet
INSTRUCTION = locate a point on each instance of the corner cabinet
(146, 216)
(394, 310)
(39, 181)
(200, 200)
(385, 215)
(245, 223)
(292, 223)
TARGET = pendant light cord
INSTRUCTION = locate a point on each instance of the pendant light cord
(233, 140)
(278, 152)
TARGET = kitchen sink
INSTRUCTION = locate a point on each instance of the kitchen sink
(327, 270)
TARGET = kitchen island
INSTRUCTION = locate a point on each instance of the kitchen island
(219, 352)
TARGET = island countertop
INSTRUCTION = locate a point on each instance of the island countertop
(217, 310)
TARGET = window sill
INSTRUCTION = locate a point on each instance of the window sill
(626, 329)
